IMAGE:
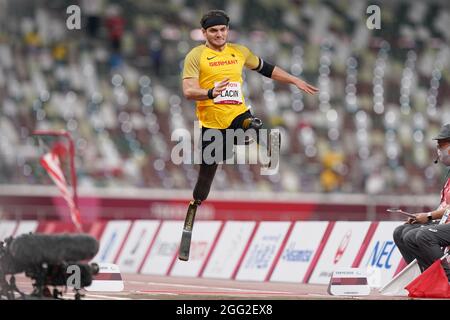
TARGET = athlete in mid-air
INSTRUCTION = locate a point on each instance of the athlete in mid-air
(212, 76)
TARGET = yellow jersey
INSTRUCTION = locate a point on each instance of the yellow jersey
(209, 67)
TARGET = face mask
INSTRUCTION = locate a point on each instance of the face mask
(444, 156)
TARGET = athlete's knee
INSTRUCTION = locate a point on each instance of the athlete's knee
(201, 193)
(409, 238)
(205, 179)
(398, 234)
(425, 237)
(202, 188)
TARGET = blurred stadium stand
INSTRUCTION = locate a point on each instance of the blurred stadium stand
(115, 85)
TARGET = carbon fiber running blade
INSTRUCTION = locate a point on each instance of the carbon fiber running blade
(274, 146)
(185, 244)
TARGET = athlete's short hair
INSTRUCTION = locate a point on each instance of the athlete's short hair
(214, 15)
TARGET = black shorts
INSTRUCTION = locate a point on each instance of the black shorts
(209, 135)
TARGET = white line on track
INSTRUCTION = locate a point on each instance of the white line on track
(206, 287)
(106, 297)
(89, 296)
(159, 293)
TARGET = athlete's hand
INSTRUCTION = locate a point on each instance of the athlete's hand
(421, 218)
(302, 85)
(219, 87)
(411, 220)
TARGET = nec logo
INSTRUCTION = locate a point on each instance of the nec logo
(381, 255)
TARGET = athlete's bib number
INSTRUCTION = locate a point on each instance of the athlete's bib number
(231, 95)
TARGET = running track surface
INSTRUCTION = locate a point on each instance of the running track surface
(138, 286)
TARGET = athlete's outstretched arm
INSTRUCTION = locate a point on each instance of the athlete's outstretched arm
(193, 91)
(282, 76)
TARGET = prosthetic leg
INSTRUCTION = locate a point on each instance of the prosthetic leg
(274, 146)
(274, 138)
(185, 244)
(201, 191)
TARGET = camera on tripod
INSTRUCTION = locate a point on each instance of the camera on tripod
(49, 260)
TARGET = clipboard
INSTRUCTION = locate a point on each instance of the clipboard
(394, 210)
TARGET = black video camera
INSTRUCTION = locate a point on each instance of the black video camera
(49, 260)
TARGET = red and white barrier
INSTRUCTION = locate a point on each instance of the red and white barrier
(141, 235)
(340, 250)
(201, 244)
(112, 241)
(301, 252)
(7, 229)
(381, 258)
(229, 249)
(298, 254)
(16, 228)
(25, 227)
(263, 250)
(163, 251)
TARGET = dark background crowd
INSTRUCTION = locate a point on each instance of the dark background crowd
(115, 84)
